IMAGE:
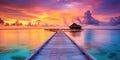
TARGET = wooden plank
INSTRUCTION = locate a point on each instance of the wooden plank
(59, 47)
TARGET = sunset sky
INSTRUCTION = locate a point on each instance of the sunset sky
(54, 11)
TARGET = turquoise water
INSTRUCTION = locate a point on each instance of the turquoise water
(19, 53)
(106, 45)
(102, 44)
(19, 44)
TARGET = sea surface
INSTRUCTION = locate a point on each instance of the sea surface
(19, 44)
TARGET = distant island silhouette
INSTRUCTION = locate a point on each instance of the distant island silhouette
(88, 20)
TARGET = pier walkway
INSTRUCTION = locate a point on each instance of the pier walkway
(59, 47)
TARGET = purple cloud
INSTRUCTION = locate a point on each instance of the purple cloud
(109, 7)
(16, 7)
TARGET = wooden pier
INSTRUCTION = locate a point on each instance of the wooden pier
(60, 47)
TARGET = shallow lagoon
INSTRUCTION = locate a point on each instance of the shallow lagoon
(19, 44)
(102, 44)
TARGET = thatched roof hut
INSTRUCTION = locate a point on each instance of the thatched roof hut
(75, 26)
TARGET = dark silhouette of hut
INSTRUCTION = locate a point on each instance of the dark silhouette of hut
(75, 26)
(1, 21)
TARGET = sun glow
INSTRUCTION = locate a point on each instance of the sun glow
(44, 15)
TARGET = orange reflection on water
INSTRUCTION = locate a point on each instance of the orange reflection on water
(26, 38)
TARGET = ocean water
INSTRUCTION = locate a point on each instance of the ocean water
(102, 44)
(19, 44)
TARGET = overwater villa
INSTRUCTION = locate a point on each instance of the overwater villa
(75, 26)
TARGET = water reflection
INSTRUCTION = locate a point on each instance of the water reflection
(89, 34)
(75, 34)
(28, 38)
(77, 37)
(103, 44)
(20, 43)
